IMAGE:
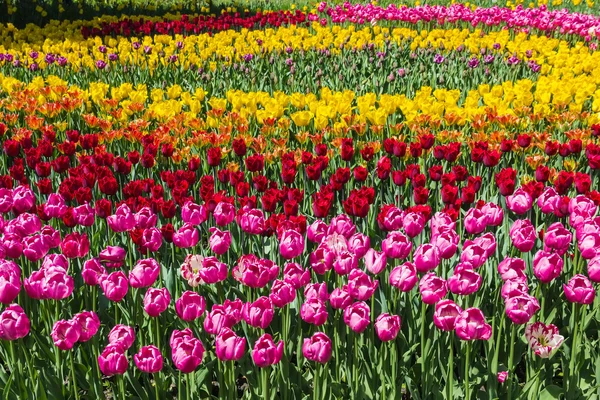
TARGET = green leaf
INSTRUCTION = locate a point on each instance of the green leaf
(550, 392)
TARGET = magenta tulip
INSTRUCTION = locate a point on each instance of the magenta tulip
(112, 360)
(115, 286)
(317, 348)
(219, 241)
(579, 290)
(387, 327)
(396, 245)
(149, 359)
(122, 335)
(265, 352)
(229, 346)
(65, 334)
(521, 308)
(547, 266)
(291, 244)
(464, 282)
(187, 236)
(375, 261)
(446, 312)
(193, 214)
(156, 301)
(432, 288)
(144, 273)
(88, 322)
(190, 306)
(357, 316)
(471, 325)
(314, 311)
(404, 277)
(14, 323)
(361, 286)
(282, 293)
(340, 298)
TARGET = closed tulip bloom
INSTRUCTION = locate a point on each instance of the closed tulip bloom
(122, 220)
(212, 270)
(426, 257)
(65, 334)
(224, 213)
(10, 281)
(144, 274)
(513, 288)
(219, 241)
(387, 327)
(122, 335)
(502, 376)
(413, 224)
(35, 247)
(252, 221)
(282, 293)
(340, 298)
(446, 312)
(314, 311)
(582, 204)
(404, 277)
(520, 202)
(193, 214)
(92, 272)
(217, 319)
(440, 222)
(265, 352)
(112, 360)
(493, 213)
(393, 219)
(6, 200)
(187, 236)
(342, 225)
(115, 286)
(229, 346)
(291, 244)
(357, 316)
(589, 245)
(557, 238)
(473, 253)
(523, 235)
(548, 200)
(188, 354)
(178, 336)
(12, 244)
(471, 325)
(259, 314)
(475, 221)
(487, 242)
(316, 291)
(464, 282)
(156, 301)
(57, 285)
(55, 260)
(359, 244)
(112, 256)
(50, 236)
(317, 231)
(361, 286)
(317, 348)
(145, 218)
(75, 245)
(521, 308)
(446, 243)
(190, 306)
(151, 239)
(396, 245)
(55, 207)
(547, 266)
(432, 288)
(34, 284)
(345, 262)
(23, 199)
(508, 266)
(84, 215)
(579, 290)
(375, 261)
(89, 323)
(295, 275)
(322, 258)
(149, 359)
(14, 323)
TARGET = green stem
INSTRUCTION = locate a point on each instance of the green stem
(467, 362)
(316, 383)
(355, 367)
(122, 387)
(511, 355)
(450, 372)
(74, 383)
(574, 345)
(423, 350)
(265, 384)
(232, 383)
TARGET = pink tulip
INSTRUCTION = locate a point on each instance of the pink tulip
(494, 214)
(547, 266)
(224, 213)
(291, 244)
(57, 285)
(426, 257)
(229, 346)
(473, 253)
(548, 200)
(24, 225)
(317, 231)
(322, 258)
(123, 220)
(316, 291)
(593, 268)
(193, 214)
(446, 312)
(361, 286)
(396, 245)
(145, 218)
(115, 286)
(432, 288)
(340, 298)
(357, 316)
(122, 335)
(511, 268)
(156, 301)
(314, 311)
(12, 245)
(317, 348)
(178, 336)
(219, 241)
(6, 200)
(34, 284)
(359, 244)
(188, 354)
(295, 275)
(113, 361)
(190, 269)
(190, 306)
(342, 225)
(144, 273)
(557, 238)
(335, 244)
(475, 221)
(212, 270)
(55, 207)
(387, 327)
(55, 260)
(404, 277)
(50, 236)
(520, 202)
(186, 237)
(345, 263)
(523, 235)
(10, 281)
(23, 199)
(14, 323)
(148, 359)
(487, 242)
(521, 308)
(393, 219)
(413, 224)
(35, 247)
(252, 221)
(65, 334)
(582, 205)
(589, 245)
(446, 243)
(579, 290)
(84, 215)
(259, 314)
(470, 325)
(464, 282)
(112, 256)
(265, 352)
(282, 293)
(375, 261)
(151, 239)
(92, 272)
(440, 222)
(75, 245)
(88, 322)
(502, 376)
(513, 288)
(254, 272)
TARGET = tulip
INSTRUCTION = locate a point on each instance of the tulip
(34, 284)
(432, 288)
(393, 219)
(282, 293)
(359, 244)
(291, 244)
(75, 245)
(122, 335)
(10, 281)
(112, 256)
(178, 336)
(212, 270)
(92, 272)
(513, 288)
(342, 225)
(487, 242)
(252, 221)
(543, 339)
(511, 268)
(593, 268)
(123, 220)
(404, 277)
(470, 325)
(219, 241)
(50, 236)
(193, 214)
(502, 376)
(317, 348)
(84, 215)
(190, 306)
(14, 323)
(426, 257)
(345, 263)
(144, 273)
(23, 199)
(148, 359)
(57, 285)
(446, 312)
(446, 243)
(89, 323)
(186, 237)
(464, 282)
(188, 354)
(24, 225)
(475, 221)
(115, 286)
(55, 260)
(523, 235)
(589, 245)
(413, 224)
(579, 290)
(259, 314)
(494, 214)
(396, 245)
(156, 301)
(521, 308)
(190, 269)
(65, 334)
(295, 275)
(387, 327)
(12, 245)
(335, 244)
(322, 258)
(440, 222)
(557, 238)
(55, 207)
(112, 360)
(224, 213)
(361, 286)
(317, 231)
(35, 247)
(473, 253)
(520, 202)
(151, 240)
(265, 352)
(375, 261)
(547, 266)
(340, 298)
(229, 346)
(357, 316)
(314, 311)
(548, 200)
(145, 218)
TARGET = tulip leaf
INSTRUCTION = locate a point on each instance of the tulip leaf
(550, 392)
(139, 390)
(7, 388)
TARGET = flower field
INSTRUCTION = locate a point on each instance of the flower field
(325, 201)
